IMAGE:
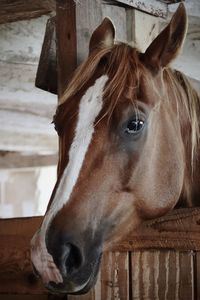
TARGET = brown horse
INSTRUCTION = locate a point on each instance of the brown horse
(129, 135)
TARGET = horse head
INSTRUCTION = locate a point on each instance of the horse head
(122, 129)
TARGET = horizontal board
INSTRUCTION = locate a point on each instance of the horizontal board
(177, 230)
(153, 7)
(12, 160)
(16, 10)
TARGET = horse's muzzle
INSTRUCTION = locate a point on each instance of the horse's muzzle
(77, 260)
(74, 287)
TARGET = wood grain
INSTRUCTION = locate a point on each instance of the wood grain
(160, 234)
(141, 24)
(197, 277)
(16, 10)
(16, 276)
(88, 17)
(66, 41)
(163, 275)
(180, 229)
(114, 276)
(153, 7)
(46, 77)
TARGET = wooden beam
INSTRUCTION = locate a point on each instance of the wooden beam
(88, 17)
(75, 24)
(153, 7)
(177, 230)
(24, 131)
(17, 10)
(66, 41)
(46, 77)
(180, 229)
(12, 160)
(171, 1)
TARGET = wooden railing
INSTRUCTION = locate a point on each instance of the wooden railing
(161, 253)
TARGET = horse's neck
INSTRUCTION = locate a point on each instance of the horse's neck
(191, 189)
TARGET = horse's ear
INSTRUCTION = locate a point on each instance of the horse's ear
(103, 36)
(168, 43)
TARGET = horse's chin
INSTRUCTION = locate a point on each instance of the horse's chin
(74, 289)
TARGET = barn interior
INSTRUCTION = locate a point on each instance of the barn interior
(30, 80)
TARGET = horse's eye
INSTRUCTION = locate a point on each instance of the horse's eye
(134, 126)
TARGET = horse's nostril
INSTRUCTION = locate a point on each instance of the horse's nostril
(72, 258)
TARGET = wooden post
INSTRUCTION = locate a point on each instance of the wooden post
(46, 77)
(66, 42)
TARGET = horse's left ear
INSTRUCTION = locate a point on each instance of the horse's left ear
(168, 43)
(103, 36)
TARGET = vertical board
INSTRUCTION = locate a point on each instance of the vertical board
(114, 276)
(113, 279)
(162, 275)
(186, 285)
(66, 41)
(197, 276)
(142, 28)
(88, 17)
(46, 77)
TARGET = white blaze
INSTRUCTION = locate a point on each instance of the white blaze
(89, 108)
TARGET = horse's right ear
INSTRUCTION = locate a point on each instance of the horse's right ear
(103, 36)
(168, 43)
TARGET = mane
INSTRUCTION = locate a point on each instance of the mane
(122, 63)
(190, 102)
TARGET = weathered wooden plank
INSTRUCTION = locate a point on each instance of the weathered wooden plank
(153, 7)
(16, 275)
(114, 276)
(186, 266)
(25, 112)
(180, 229)
(12, 160)
(46, 77)
(170, 1)
(162, 275)
(197, 276)
(16, 10)
(66, 41)
(20, 42)
(26, 132)
(75, 24)
(140, 24)
(88, 17)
